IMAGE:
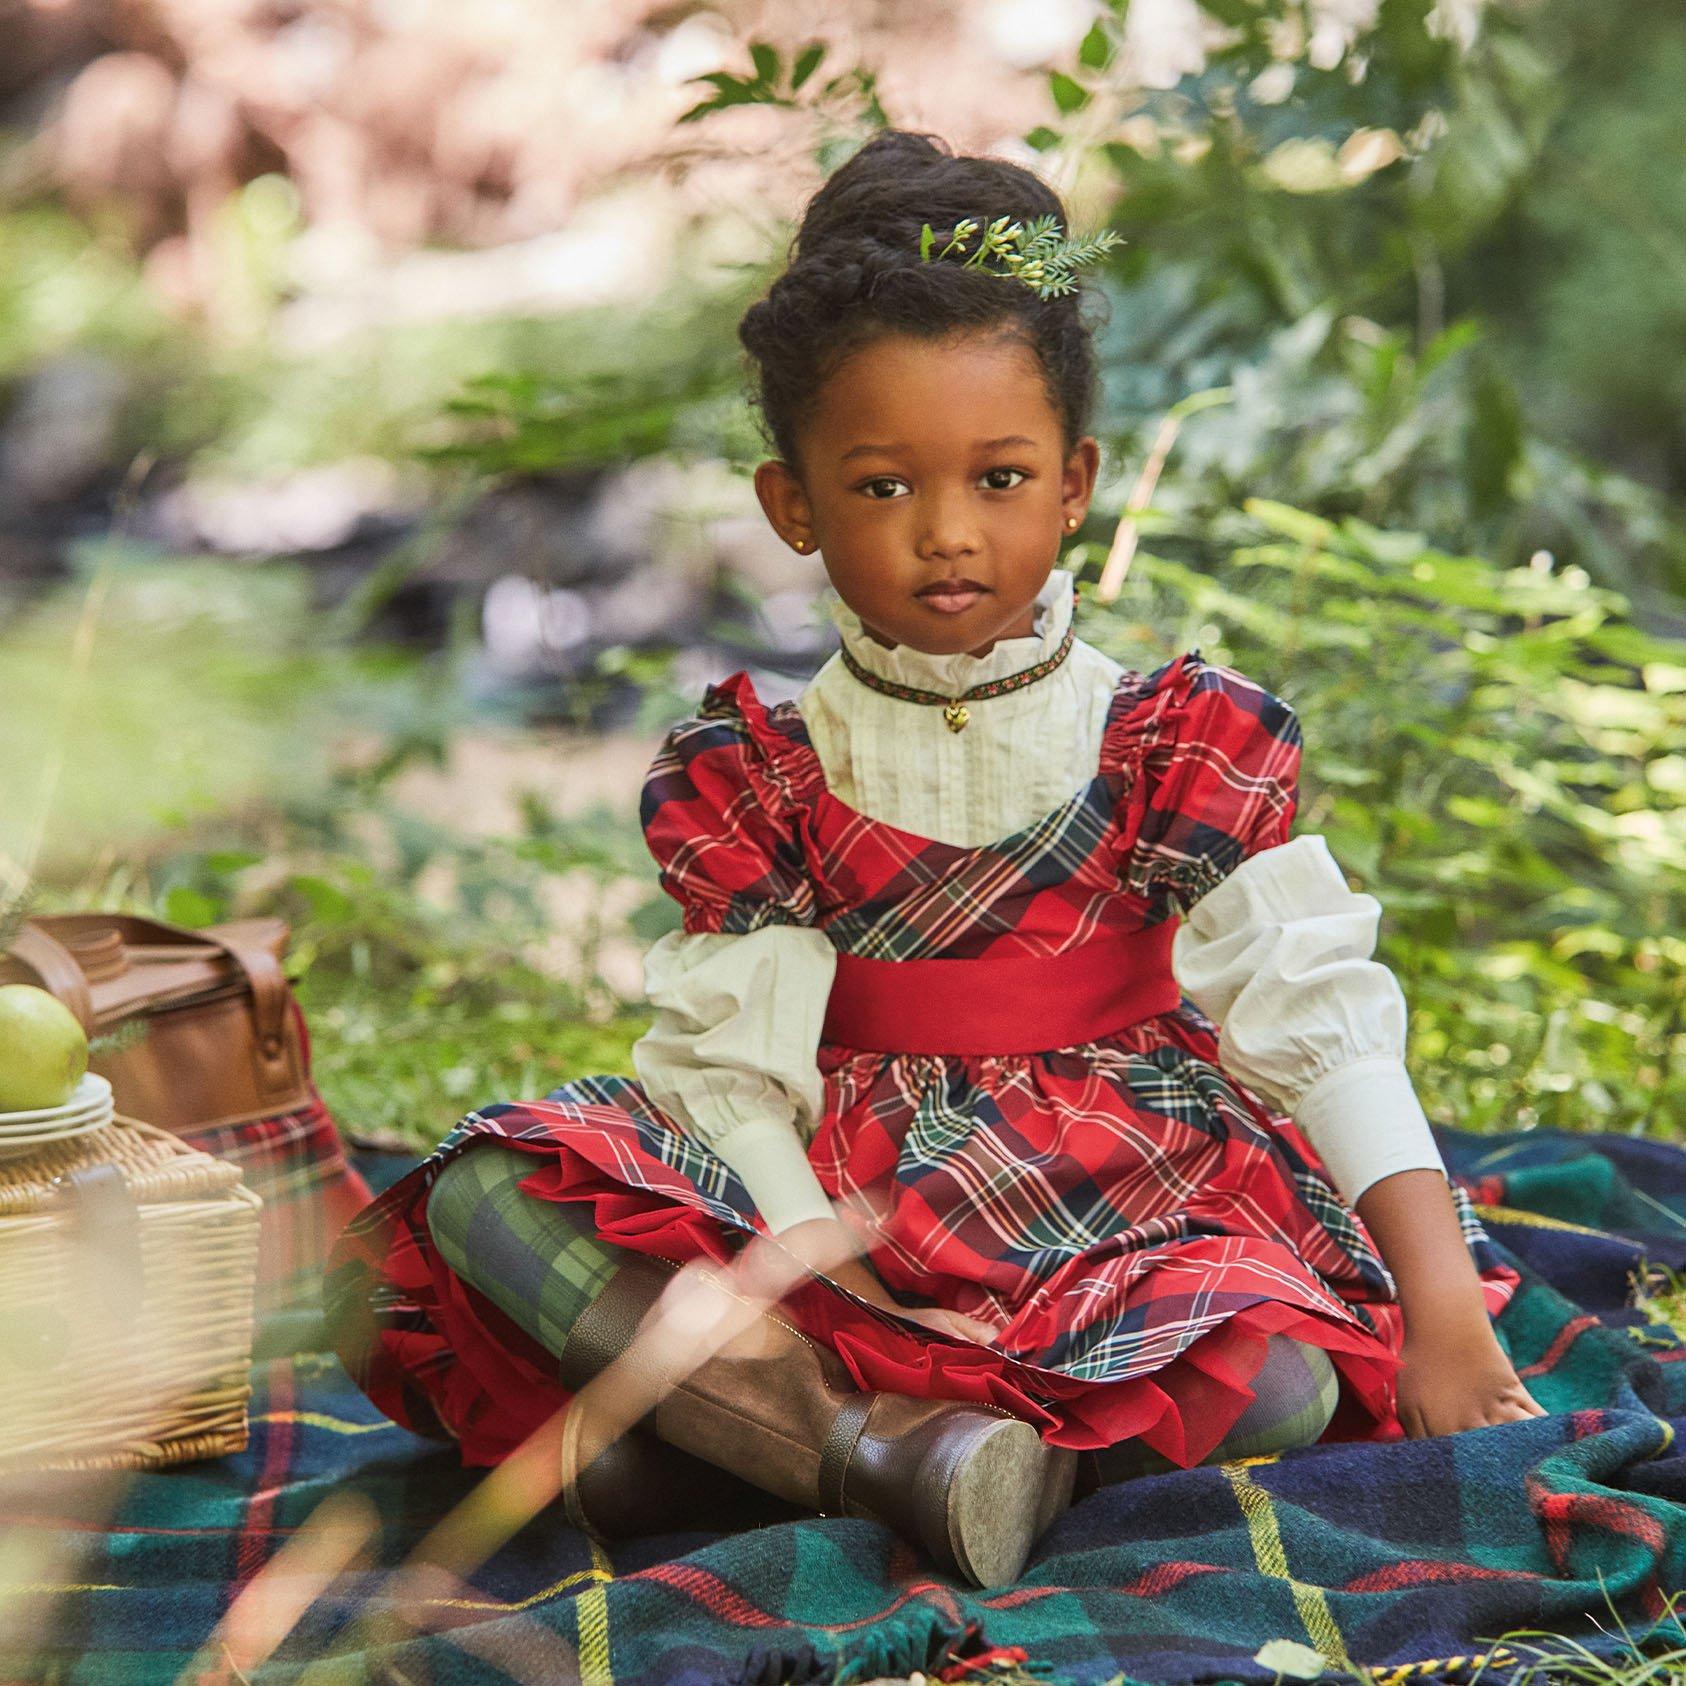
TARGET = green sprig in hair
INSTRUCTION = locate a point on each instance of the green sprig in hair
(1036, 254)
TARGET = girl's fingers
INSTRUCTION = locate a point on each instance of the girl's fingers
(954, 1323)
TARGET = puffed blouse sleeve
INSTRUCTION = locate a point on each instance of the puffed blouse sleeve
(739, 992)
(1275, 947)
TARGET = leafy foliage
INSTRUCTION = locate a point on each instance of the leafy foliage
(851, 91)
(1495, 754)
(1306, 235)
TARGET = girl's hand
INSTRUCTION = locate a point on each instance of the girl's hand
(821, 1242)
(860, 1279)
(1451, 1382)
(945, 1322)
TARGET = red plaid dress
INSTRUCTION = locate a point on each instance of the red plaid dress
(1133, 1219)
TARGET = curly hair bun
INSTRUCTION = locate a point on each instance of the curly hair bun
(854, 273)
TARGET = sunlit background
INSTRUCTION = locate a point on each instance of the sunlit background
(374, 474)
(375, 489)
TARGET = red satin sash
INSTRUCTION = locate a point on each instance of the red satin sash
(1012, 1004)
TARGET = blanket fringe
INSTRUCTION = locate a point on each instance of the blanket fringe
(1400, 1673)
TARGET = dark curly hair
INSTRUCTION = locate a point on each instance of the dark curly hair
(854, 273)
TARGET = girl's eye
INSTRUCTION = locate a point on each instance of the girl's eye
(888, 480)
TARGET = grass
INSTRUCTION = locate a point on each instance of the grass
(410, 1073)
(1660, 1293)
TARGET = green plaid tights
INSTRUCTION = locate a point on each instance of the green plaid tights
(541, 1264)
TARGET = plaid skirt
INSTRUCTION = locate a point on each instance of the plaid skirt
(1133, 1221)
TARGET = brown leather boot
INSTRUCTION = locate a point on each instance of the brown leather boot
(637, 1485)
(972, 1484)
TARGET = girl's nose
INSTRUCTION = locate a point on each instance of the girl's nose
(949, 531)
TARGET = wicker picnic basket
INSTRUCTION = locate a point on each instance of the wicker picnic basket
(224, 1062)
(128, 1263)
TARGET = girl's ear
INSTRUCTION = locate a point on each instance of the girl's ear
(1082, 468)
(784, 503)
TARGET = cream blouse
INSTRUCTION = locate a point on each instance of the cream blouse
(1278, 954)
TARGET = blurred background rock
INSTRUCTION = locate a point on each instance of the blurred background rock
(374, 471)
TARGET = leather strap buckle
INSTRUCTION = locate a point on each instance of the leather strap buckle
(841, 1439)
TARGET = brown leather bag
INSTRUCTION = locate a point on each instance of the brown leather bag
(224, 1064)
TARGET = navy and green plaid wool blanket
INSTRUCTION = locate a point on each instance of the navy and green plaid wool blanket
(1409, 1558)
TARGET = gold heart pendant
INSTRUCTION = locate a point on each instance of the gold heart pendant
(956, 716)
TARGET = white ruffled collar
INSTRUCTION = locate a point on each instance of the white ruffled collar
(960, 670)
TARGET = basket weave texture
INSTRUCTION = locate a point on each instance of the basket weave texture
(103, 1366)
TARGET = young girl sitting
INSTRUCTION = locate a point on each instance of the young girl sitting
(961, 924)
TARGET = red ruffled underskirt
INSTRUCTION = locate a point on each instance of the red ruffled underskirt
(447, 1353)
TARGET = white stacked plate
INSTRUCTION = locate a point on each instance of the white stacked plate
(89, 1108)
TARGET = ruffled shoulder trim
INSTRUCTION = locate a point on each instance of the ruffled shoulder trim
(1143, 713)
(778, 756)
(724, 814)
(1210, 761)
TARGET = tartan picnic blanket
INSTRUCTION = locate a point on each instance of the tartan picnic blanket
(1411, 1558)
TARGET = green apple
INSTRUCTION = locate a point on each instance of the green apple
(43, 1049)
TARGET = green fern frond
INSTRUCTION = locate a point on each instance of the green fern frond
(1037, 253)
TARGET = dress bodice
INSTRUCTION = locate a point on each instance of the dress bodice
(1092, 800)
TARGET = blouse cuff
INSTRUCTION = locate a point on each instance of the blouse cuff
(773, 1166)
(1366, 1122)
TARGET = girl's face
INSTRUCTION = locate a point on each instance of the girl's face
(929, 461)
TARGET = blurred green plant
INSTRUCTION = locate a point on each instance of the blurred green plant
(414, 949)
(849, 96)
(1317, 228)
(254, 407)
(151, 691)
(1584, 276)
(1496, 755)
(67, 285)
(510, 421)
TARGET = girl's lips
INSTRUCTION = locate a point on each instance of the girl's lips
(950, 602)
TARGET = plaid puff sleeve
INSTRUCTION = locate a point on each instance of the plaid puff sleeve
(1218, 782)
(717, 819)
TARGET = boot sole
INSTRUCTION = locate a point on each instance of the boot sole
(1004, 1498)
